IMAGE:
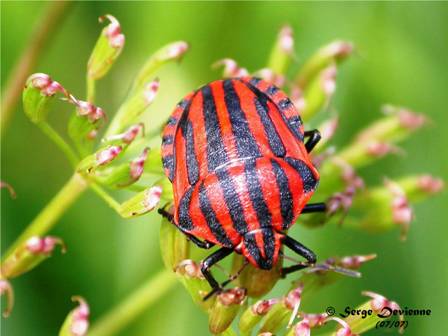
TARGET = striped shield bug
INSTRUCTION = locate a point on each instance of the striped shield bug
(237, 155)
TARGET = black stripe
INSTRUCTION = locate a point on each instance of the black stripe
(168, 164)
(212, 221)
(171, 121)
(185, 222)
(191, 160)
(272, 90)
(293, 122)
(245, 142)
(286, 199)
(167, 140)
(216, 151)
(183, 103)
(251, 245)
(259, 204)
(232, 200)
(261, 104)
(254, 81)
(308, 179)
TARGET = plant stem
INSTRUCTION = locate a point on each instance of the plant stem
(50, 20)
(90, 89)
(60, 142)
(135, 304)
(48, 217)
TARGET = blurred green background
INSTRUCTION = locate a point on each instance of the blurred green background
(401, 58)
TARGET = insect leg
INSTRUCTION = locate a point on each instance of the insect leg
(314, 138)
(314, 207)
(199, 243)
(300, 250)
(209, 262)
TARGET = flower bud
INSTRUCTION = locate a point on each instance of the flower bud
(231, 68)
(418, 188)
(77, 321)
(173, 244)
(141, 203)
(125, 174)
(37, 94)
(83, 125)
(28, 255)
(253, 314)
(377, 139)
(189, 273)
(6, 288)
(107, 49)
(319, 92)
(350, 262)
(345, 329)
(377, 304)
(135, 104)
(332, 53)
(284, 311)
(256, 281)
(171, 52)
(225, 309)
(269, 76)
(327, 130)
(102, 157)
(282, 51)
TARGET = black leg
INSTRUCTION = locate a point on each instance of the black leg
(300, 250)
(313, 140)
(199, 243)
(314, 207)
(209, 262)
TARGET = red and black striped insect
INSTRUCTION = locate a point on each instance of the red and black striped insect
(236, 155)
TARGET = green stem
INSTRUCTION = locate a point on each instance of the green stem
(60, 142)
(106, 197)
(135, 304)
(90, 89)
(48, 217)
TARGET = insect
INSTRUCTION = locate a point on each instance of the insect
(236, 153)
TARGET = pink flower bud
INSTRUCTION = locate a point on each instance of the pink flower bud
(345, 330)
(151, 90)
(113, 31)
(402, 213)
(6, 288)
(292, 301)
(177, 49)
(231, 68)
(430, 185)
(379, 302)
(107, 155)
(189, 268)
(45, 84)
(270, 76)
(328, 80)
(45, 245)
(355, 262)
(315, 320)
(232, 296)
(380, 149)
(92, 112)
(339, 49)
(152, 197)
(302, 328)
(80, 317)
(262, 307)
(407, 118)
(286, 39)
(137, 166)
